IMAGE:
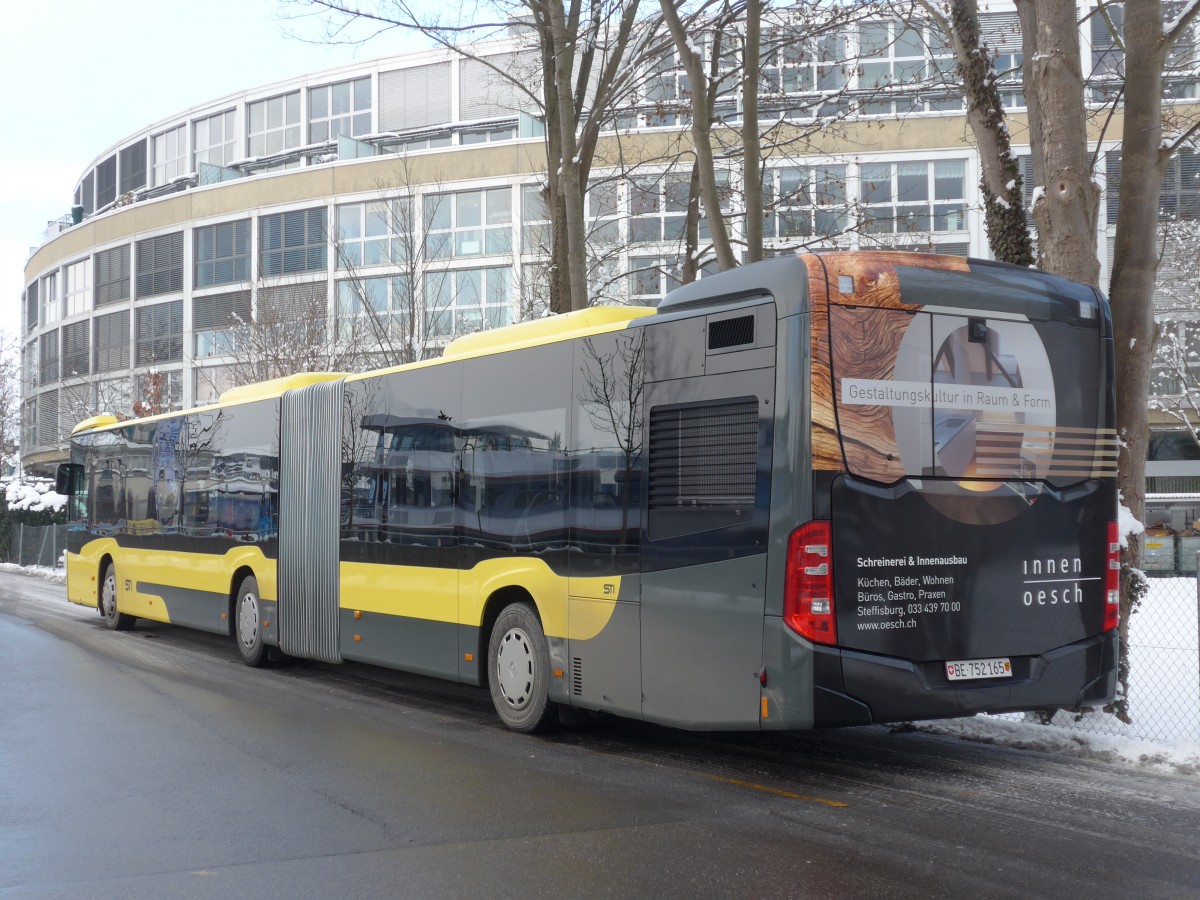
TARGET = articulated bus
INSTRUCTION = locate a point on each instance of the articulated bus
(819, 490)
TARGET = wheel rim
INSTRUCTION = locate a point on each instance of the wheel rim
(248, 619)
(515, 668)
(108, 596)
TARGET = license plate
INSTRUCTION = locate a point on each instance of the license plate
(968, 669)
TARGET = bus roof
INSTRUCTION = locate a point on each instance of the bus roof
(593, 320)
(262, 390)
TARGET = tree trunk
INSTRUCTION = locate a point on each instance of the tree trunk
(701, 136)
(559, 276)
(575, 262)
(752, 160)
(1004, 207)
(1070, 201)
(1134, 268)
(1027, 12)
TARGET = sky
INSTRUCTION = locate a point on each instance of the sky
(81, 75)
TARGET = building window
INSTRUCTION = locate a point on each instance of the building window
(170, 155)
(374, 309)
(487, 135)
(113, 396)
(133, 167)
(88, 192)
(48, 358)
(805, 201)
(909, 197)
(467, 300)
(274, 124)
(306, 302)
(222, 253)
(658, 208)
(214, 322)
(652, 277)
(106, 182)
(31, 306)
(211, 382)
(469, 223)
(74, 406)
(160, 265)
(667, 90)
(795, 63)
(51, 299)
(29, 367)
(292, 242)
(342, 108)
(535, 219)
(29, 423)
(159, 391)
(112, 276)
(77, 286)
(374, 233)
(603, 212)
(899, 55)
(160, 333)
(214, 140)
(112, 341)
(47, 426)
(76, 349)
(432, 142)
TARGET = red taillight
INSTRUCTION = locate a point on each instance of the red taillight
(808, 586)
(1112, 580)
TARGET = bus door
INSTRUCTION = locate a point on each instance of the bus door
(709, 426)
(970, 533)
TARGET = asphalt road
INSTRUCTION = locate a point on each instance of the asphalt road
(153, 764)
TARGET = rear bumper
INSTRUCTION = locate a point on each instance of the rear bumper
(855, 688)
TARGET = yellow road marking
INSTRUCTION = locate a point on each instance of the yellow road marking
(779, 792)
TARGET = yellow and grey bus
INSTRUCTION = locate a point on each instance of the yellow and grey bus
(819, 490)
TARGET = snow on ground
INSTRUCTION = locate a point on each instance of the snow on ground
(54, 576)
(1164, 696)
(1070, 741)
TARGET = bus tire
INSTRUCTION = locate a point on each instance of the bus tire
(116, 621)
(519, 670)
(247, 623)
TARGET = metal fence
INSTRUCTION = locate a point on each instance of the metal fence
(37, 545)
(1164, 667)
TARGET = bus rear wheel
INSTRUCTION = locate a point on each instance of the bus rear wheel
(519, 670)
(247, 623)
(116, 621)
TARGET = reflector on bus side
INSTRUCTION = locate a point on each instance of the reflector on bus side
(1112, 585)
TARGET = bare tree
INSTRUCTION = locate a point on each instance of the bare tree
(584, 57)
(10, 399)
(1001, 182)
(1177, 355)
(384, 309)
(290, 332)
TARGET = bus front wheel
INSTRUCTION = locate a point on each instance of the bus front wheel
(519, 669)
(116, 621)
(247, 623)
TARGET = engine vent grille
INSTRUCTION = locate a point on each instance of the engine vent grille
(704, 456)
(731, 333)
(577, 676)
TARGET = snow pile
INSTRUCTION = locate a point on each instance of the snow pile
(1177, 759)
(54, 576)
(32, 496)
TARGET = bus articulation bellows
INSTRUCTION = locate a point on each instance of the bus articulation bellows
(819, 490)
